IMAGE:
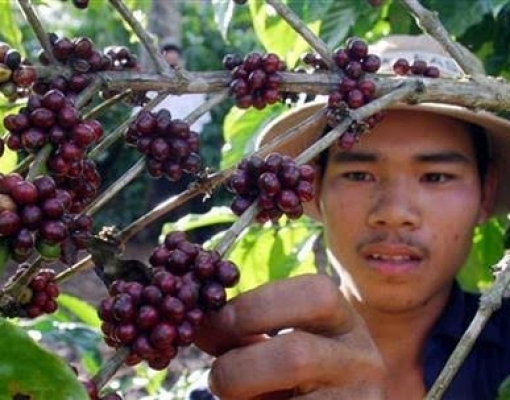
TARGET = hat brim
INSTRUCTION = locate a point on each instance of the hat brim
(497, 129)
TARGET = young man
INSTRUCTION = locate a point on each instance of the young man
(398, 212)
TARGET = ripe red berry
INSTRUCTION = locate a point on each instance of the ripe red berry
(418, 67)
(24, 192)
(357, 49)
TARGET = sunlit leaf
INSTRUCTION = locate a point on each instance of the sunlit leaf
(10, 30)
(277, 35)
(28, 369)
(268, 253)
(215, 216)
(81, 309)
(240, 129)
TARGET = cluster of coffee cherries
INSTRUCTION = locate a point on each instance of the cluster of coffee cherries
(155, 318)
(276, 183)
(52, 118)
(40, 296)
(35, 216)
(32, 216)
(255, 79)
(402, 66)
(355, 89)
(16, 75)
(80, 55)
(170, 147)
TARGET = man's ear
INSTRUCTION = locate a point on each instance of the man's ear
(489, 189)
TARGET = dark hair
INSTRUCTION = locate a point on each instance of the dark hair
(478, 137)
(171, 47)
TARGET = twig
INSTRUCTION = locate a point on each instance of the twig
(13, 289)
(94, 112)
(206, 106)
(35, 23)
(89, 92)
(430, 23)
(157, 212)
(82, 265)
(39, 163)
(24, 164)
(356, 115)
(116, 187)
(143, 35)
(232, 234)
(110, 367)
(297, 24)
(490, 301)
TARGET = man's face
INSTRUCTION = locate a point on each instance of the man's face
(172, 58)
(399, 209)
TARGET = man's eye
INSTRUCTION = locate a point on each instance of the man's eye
(358, 176)
(437, 177)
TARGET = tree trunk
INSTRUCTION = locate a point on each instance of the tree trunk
(164, 21)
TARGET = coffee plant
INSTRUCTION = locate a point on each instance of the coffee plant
(48, 201)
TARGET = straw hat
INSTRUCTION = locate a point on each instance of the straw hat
(409, 47)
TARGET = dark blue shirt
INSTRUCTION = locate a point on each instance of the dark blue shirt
(488, 363)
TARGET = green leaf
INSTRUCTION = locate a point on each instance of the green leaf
(28, 369)
(341, 17)
(268, 253)
(81, 309)
(216, 215)
(11, 32)
(486, 251)
(457, 22)
(504, 390)
(240, 129)
(9, 159)
(275, 33)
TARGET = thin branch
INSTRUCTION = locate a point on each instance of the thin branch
(143, 35)
(97, 110)
(490, 301)
(300, 27)
(207, 106)
(82, 265)
(232, 234)
(430, 23)
(116, 187)
(109, 368)
(35, 23)
(24, 164)
(12, 290)
(356, 115)
(157, 212)
(89, 92)
(39, 163)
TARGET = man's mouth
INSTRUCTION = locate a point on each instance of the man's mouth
(389, 257)
(393, 258)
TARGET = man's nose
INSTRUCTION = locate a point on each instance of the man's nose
(395, 205)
